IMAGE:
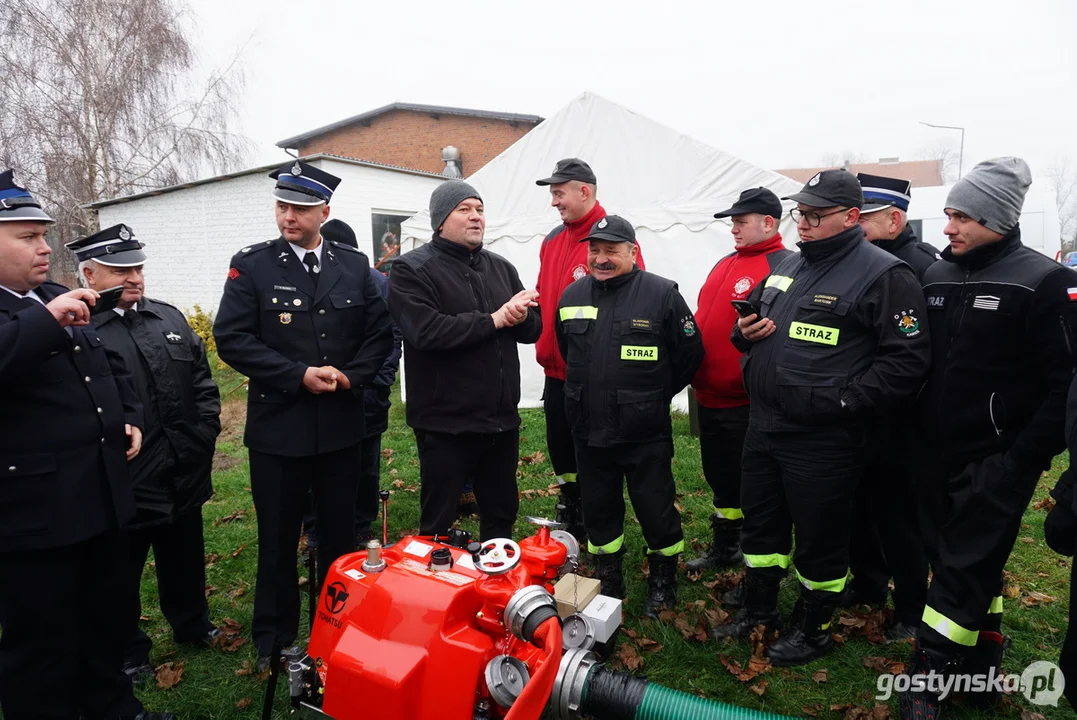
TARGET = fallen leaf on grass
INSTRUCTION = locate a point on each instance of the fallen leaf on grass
(169, 674)
(237, 592)
(1011, 591)
(387, 452)
(811, 710)
(631, 633)
(1028, 540)
(533, 459)
(144, 618)
(303, 581)
(230, 517)
(649, 645)
(630, 657)
(238, 550)
(228, 625)
(211, 559)
(820, 676)
(667, 616)
(231, 643)
(398, 483)
(1045, 504)
(760, 687)
(1037, 598)
(756, 667)
(210, 589)
(245, 669)
(876, 663)
(243, 703)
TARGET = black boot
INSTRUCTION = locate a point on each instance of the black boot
(724, 549)
(986, 659)
(809, 635)
(661, 585)
(921, 702)
(570, 512)
(609, 572)
(760, 607)
(735, 597)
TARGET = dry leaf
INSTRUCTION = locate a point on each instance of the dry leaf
(1045, 504)
(245, 669)
(144, 618)
(533, 459)
(1028, 540)
(210, 589)
(760, 687)
(630, 657)
(237, 592)
(820, 676)
(398, 483)
(1011, 591)
(387, 452)
(230, 517)
(667, 616)
(1037, 598)
(649, 645)
(811, 710)
(211, 559)
(243, 703)
(303, 580)
(238, 550)
(169, 674)
(876, 663)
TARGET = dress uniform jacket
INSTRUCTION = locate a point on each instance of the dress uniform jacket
(273, 324)
(908, 248)
(181, 404)
(630, 344)
(55, 491)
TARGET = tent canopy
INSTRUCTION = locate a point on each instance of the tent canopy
(668, 185)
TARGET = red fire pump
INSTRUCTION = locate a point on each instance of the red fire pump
(423, 630)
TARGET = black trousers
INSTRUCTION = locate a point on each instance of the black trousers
(887, 539)
(279, 486)
(1067, 659)
(62, 616)
(179, 556)
(978, 513)
(366, 497)
(801, 482)
(646, 468)
(447, 461)
(559, 442)
(721, 444)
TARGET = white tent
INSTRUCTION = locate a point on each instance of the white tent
(665, 183)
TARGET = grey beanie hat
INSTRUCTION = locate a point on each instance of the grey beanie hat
(446, 197)
(992, 193)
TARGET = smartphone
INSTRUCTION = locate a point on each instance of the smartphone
(744, 308)
(108, 300)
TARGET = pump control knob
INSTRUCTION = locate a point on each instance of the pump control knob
(497, 556)
(544, 522)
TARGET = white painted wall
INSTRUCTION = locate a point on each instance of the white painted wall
(191, 234)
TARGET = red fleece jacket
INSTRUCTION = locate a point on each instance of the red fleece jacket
(718, 382)
(562, 261)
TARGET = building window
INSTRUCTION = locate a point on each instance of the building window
(386, 236)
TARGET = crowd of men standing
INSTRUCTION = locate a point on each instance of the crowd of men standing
(890, 409)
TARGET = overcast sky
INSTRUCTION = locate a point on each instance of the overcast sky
(781, 83)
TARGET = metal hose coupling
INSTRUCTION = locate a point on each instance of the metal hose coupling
(529, 607)
(566, 700)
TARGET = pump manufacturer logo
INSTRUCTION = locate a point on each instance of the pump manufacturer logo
(336, 597)
(1041, 683)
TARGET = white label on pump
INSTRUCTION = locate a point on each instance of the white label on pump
(354, 574)
(465, 561)
(445, 576)
(418, 549)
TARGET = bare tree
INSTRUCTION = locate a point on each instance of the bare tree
(948, 156)
(99, 101)
(1063, 178)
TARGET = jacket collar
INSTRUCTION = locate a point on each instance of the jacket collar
(832, 247)
(775, 243)
(582, 225)
(894, 246)
(617, 282)
(456, 250)
(985, 255)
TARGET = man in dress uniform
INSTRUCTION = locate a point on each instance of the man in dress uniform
(69, 425)
(304, 321)
(171, 476)
(630, 344)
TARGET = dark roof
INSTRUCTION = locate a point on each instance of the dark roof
(433, 110)
(252, 171)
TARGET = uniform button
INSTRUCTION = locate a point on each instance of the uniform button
(322, 311)
(323, 336)
(78, 348)
(348, 301)
(325, 358)
(263, 395)
(100, 411)
(102, 441)
(12, 469)
(86, 379)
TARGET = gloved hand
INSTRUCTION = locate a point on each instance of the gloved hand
(1060, 527)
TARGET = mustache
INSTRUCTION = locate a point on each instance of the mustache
(604, 266)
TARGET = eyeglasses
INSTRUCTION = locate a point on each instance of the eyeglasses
(811, 216)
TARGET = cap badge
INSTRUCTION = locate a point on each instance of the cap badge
(602, 223)
(296, 170)
(124, 235)
(814, 181)
(285, 318)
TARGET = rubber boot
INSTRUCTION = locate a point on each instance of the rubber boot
(735, 597)
(920, 702)
(610, 573)
(725, 546)
(661, 585)
(809, 636)
(760, 607)
(570, 511)
(986, 659)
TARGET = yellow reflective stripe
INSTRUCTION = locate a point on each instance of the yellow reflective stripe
(671, 550)
(779, 281)
(996, 606)
(826, 585)
(814, 333)
(607, 549)
(566, 478)
(579, 312)
(948, 628)
(639, 352)
(772, 560)
(729, 513)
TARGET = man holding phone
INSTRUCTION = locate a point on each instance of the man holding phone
(718, 385)
(841, 341)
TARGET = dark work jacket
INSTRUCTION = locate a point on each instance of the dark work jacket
(460, 373)
(1002, 322)
(630, 344)
(63, 466)
(376, 401)
(272, 325)
(851, 341)
(171, 476)
(908, 248)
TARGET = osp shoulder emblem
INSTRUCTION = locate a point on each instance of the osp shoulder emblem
(907, 323)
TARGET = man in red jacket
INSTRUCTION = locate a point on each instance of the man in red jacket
(719, 388)
(562, 261)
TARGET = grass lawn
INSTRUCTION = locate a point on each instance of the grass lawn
(218, 683)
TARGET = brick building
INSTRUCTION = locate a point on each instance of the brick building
(921, 173)
(412, 136)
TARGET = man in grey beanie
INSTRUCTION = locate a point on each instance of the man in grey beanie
(462, 310)
(1002, 319)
